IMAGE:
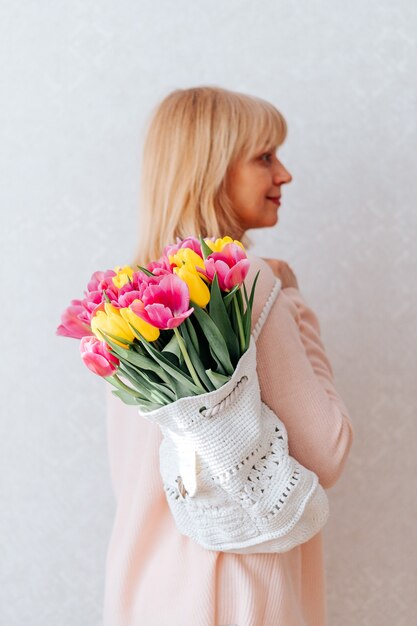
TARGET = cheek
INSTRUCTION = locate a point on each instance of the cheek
(249, 187)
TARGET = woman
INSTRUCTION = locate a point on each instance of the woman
(210, 166)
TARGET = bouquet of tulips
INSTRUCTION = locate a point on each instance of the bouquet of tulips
(174, 338)
(173, 329)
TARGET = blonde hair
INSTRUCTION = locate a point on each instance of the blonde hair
(194, 137)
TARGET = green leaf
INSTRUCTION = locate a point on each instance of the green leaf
(146, 386)
(173, 347)
(144, 270)
(178, 362)
(138, 360)
(247, 316)
(204, 248)
(233, 318)
(228, 299)
(246, 294)
(147, 362)
(122, 339)
(192, 333)
(150, 376)
(217, 379)
(125, 397)
(170, 368)
(217, 343)
(252, 293)
(133, 377)
(247, 319)
(220, 317)
(203, 344)
(143, 404)
(113, 380)
(166, 389)
(195, 359)
(181, 391)
(146, 407)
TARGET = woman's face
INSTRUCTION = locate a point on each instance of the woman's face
(254, 188)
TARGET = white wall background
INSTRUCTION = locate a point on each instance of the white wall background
(78, 80)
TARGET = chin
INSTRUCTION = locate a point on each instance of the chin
(266, 223)
(273, 221)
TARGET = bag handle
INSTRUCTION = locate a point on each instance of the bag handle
(267, 307)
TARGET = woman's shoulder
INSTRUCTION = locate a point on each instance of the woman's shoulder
(258, 264)
(265, 283)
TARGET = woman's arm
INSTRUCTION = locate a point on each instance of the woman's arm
(296, 380)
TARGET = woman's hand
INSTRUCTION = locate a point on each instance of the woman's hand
(283, 271)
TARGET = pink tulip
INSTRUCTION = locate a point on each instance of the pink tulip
(134, 290)
(97, 357)
(140, 280)
(164, 304)
(75, 321)
(126, 298)
(188, 242)
(160, 267)
(100, 282)
(231, 266)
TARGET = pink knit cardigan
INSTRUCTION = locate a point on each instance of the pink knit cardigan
(157, 577)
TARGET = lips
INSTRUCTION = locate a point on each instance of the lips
(274, 199)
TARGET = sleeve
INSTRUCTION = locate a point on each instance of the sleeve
(297, 383)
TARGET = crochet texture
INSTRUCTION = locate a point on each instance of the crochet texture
(230, 482)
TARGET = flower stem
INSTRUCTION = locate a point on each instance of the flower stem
(133, 392)
(187, 359)
(239, 322)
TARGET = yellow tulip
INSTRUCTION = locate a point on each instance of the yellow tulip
(151, 333)
(186, 255)
(110, 321)
(122, 275)
(219, 244)
(199, 292)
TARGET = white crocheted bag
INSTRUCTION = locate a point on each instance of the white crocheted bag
(229, 480)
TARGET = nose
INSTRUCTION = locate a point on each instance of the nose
(282, 175)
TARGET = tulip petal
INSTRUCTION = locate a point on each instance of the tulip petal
(97, 357)
(177, 293)
(149, 331)
(237, 274)
(176, 321)
(73, 323)
(159, 314)
(139, 309)
(97, 364)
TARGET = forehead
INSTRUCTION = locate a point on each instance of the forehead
(262, 128)
(268, 129)
(268, 143)
(267, 139)
(258, 146)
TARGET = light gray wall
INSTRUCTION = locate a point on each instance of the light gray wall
(78, 80)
